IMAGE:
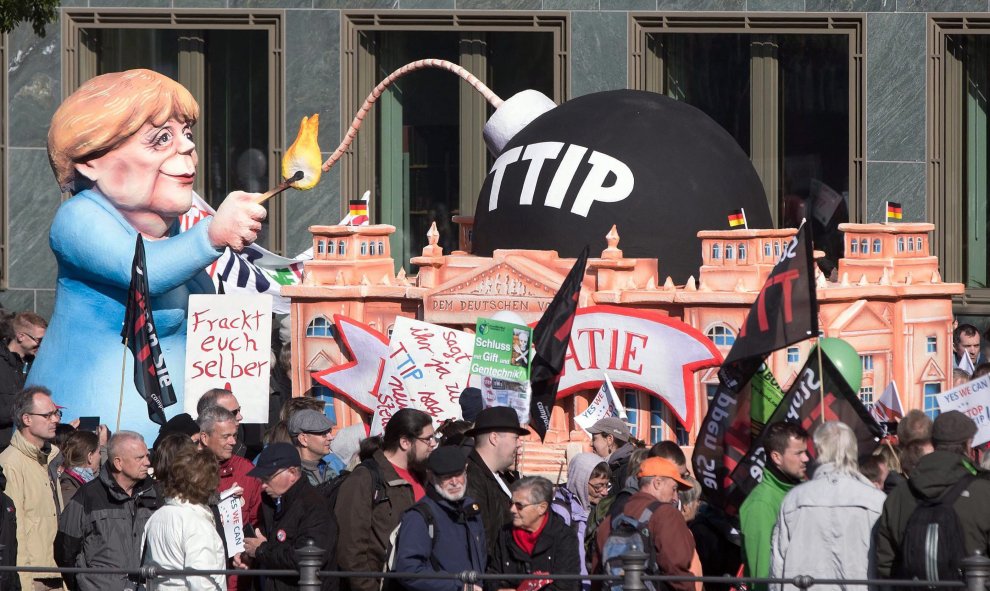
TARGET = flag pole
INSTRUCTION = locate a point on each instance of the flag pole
(745, 222)
(120, 402)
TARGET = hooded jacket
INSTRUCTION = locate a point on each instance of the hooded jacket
(757, 517)
(32, 484)
(571, 502)
(555, 552)
(102, 527)
(825, 528)
(458, 542)
(935, 473)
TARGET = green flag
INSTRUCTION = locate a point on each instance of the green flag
(765, 395)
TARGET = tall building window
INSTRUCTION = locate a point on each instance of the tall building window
(229, 65)
(931, 345)
(321, 247)
(321, 391)
(853, 246)
(321, 326)
(729, 255)
(877, 246)
(932, 390)
(721, 335)
(867, 361)
(742, 251)
(716, 251)
(422, 154)
(766, 250)
(866, 395)
(900, 244)
(657, 409)
(793, 355)
(631, 399)
(793, 101)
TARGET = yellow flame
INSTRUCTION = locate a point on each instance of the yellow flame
(304, 155)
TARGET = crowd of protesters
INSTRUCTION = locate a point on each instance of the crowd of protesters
(420, 499)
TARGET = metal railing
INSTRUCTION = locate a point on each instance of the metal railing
(975, 568)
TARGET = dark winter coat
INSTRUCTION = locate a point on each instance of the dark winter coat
(363, 539)
(303, 514)
(935, 473)
(11, 382)
(102, 527)
(458, 542)
(8, 538)
(555, 552)
(485, 490)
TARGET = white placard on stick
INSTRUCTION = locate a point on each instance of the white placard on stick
(228, 345)
(973, 400)
(232, 521)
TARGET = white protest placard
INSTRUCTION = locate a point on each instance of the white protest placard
(231, 519)
(973, 400)
(427, 369)
(228, 345)
(604, 404)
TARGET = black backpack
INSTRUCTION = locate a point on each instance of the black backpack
(331, 488)
(933, 542)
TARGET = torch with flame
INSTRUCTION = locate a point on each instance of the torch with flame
(301, 166)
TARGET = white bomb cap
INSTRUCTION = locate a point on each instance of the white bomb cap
(515, 113)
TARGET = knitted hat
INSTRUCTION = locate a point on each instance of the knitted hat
(471, 404)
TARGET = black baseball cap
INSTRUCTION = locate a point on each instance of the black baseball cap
(275, 457)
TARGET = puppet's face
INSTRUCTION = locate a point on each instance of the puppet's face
(151, 171)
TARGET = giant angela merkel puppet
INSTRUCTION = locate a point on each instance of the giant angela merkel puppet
(122, 146)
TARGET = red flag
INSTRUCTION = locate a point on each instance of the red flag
(550, 339)
(151, 377)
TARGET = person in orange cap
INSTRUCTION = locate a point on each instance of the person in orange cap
(656, 505)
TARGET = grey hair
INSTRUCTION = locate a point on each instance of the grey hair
(692, 494)
(118, 440)
(212, 415)
(24, 403)
(210, 398)
(540, 489)
(836, 444)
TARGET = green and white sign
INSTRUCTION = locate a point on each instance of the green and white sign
(501, 350)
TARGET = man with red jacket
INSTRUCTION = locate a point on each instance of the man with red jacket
(659, 480)
(218, 433)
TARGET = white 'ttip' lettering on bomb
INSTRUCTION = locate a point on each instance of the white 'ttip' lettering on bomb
(593, 188)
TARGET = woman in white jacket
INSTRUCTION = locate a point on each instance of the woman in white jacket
(182, 534)
(825, 526)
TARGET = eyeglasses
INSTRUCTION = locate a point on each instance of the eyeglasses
(520, 506)
(236, 411)
(430, 440)
(57, 414)
(603, 487)
(37, 340)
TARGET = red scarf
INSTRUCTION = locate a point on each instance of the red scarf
(527, 540)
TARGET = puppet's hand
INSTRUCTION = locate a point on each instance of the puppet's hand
(237, 221)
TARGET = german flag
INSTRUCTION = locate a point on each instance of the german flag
(737, 217)
(893, 211)
(358, 212)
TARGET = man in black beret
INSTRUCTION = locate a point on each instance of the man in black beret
(433, 532)
(497, 442)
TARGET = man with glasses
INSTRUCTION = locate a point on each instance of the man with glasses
(218, 433)
(226, 399)
(497, 441)
(374, 496)
(311, 432)
(28, 329)
(443, 531)
(292, 513)
(32, 483)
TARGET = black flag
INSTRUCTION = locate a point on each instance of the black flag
(550, 340)
(803, 404)
(151, 377)
(785, 312)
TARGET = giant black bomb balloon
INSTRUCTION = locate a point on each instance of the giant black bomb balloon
(659, 169)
